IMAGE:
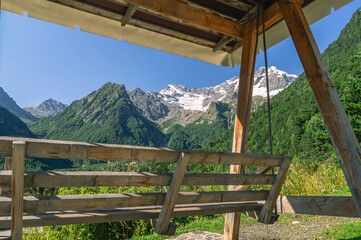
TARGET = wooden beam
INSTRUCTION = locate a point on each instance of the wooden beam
(127, 214)
(42, 148)
(318, 205)
(100, 179)
(226, 39)
(6, 189)
(128, 14)
(8, 165)
(136, 22)
(41, 204)
(237, 4)
(272, 15)
(266, 213)
(240, 137)
(163, 221)
(343, 138)
(192, 15)
(17, 190)
(262, 170)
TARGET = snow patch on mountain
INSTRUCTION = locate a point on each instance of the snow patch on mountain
(200, 98)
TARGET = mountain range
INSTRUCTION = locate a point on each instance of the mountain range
(47, 108)
(175, 102)
(105, 116)
(182, 116)
(7, 102)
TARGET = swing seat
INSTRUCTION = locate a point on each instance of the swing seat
(97, 208)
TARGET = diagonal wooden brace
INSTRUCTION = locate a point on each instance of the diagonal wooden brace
(266, 215)
(163, 225)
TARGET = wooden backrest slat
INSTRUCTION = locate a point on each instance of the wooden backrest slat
(40, 148)
(109, 201)
(101, 179)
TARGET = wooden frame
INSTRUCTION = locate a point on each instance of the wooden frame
(240, 137)
(334, 116)
(55, 210)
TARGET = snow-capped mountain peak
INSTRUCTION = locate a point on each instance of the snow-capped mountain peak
(200, 98)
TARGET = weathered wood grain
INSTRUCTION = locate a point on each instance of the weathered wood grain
(128, 214)
(192, 15)
(240, 136)
(259, 172)
(343, 138)
(6, 188)
(272, 15)
(99, 179)
(17, 189)
(238, 4)
(128, 14)
(41, 148)
(318, 205)
(170, 200)
(110, 201)
(266, 213)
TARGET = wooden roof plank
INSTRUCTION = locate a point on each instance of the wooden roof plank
(238, 4)
(192, 15)
(271, 16)
(128, 14)
(226, 39)
(139, 23)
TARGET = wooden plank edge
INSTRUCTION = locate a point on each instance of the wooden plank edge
(128, 214)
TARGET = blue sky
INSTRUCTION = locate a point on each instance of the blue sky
(41, 60)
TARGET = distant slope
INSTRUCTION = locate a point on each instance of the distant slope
(211, 124)
(298, 128)
(106, 116)
(11, 125)
(47, 108)
(7, 102)
(150, 106)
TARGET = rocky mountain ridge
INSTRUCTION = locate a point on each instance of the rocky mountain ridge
(47, 108)
(106, 115)
(175, 101)
(7, 102)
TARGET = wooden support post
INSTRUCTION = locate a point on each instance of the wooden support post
(163, 225)
(17, 190)
(339, 128)
(8, 163)
(232, 221)
(266, 213)
(6, 191)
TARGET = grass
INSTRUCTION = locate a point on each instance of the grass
(326, 179)
(345, 231)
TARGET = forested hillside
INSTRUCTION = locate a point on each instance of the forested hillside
(106, 116)
(298, 127)
(211, 124)
(11, 125)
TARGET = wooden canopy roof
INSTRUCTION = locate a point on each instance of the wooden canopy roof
(208, 30)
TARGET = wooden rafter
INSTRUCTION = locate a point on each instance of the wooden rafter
(128, 14)
(238, 4)
(226, 39)
(138, 23)
(272, 15)
(192, 15)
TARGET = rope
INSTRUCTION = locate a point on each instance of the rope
(250, 86)
(268, 97)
